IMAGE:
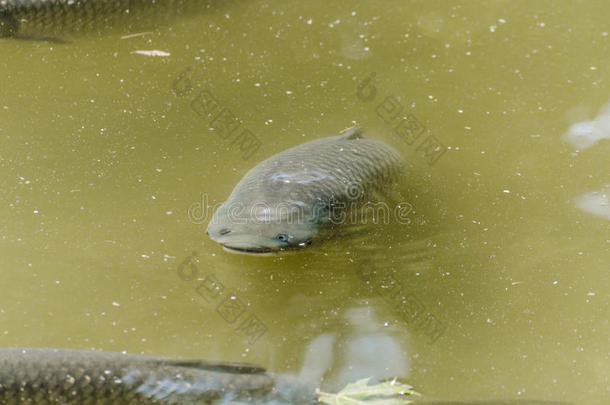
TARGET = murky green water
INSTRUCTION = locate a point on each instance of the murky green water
(497, 289)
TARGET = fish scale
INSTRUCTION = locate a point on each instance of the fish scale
(71, 16)
(316, 178)
(54, 376)
(367, 163)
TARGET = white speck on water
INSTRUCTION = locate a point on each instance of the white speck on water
(144, 256)
(153, 197)
(506, 191)
(169, 212)
(501, 20)
(153, 52)
(332, 24)
(288, 92)
(492, 28)
(257, 85)
(159, 170)
(35, 211)
(555, 282)
(116, 304)
(309, 22)
(591, 294)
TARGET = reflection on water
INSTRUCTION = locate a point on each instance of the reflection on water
(506, 250)
(596, 203)
(358, 347)
(584, 134)
(364, 347)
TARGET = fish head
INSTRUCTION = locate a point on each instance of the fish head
(261, 228)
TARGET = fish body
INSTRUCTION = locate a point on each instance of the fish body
(300, 194)
(36, 17)
(80, 377)
(54, 376)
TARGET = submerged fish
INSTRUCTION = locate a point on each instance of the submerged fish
(81, 377)
(300, 194)
(29, 19)
(53, 376)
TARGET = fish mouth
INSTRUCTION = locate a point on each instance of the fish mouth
(260, 251)
(263, 251)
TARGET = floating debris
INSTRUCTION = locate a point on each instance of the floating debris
(386, 393)
(139, 34)
(153, 52)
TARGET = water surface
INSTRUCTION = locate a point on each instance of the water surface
(496, 289)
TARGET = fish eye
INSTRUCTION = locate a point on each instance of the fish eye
(282, 237)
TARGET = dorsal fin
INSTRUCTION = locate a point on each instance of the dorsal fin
(354, 132)
(221, 366)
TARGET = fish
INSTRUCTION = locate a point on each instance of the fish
(45, 376)
(32, 19)
(305, 193)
